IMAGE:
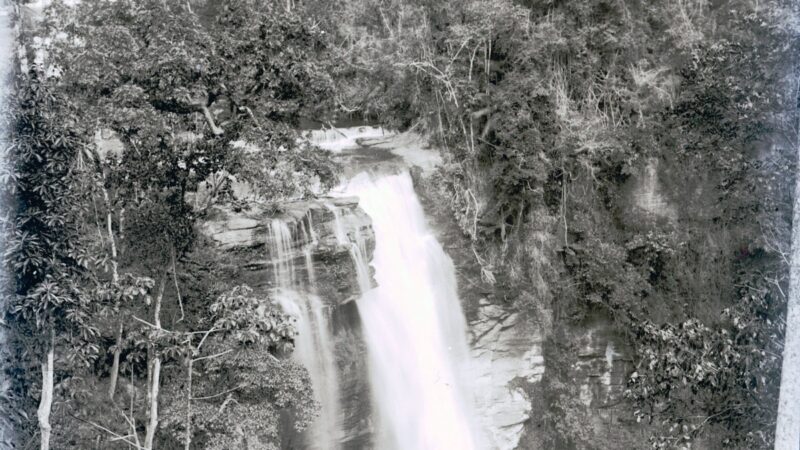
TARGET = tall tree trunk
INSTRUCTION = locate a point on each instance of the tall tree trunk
(189, 368)
(787, 430)
(110, 230)
(112, 386)
(46, 400)
(153, 414)
(155, 372)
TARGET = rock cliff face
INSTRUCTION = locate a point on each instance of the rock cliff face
(244, 242)
(588, 364)
(507, 344)
(508, 358)
(526, 377)
(537, 376)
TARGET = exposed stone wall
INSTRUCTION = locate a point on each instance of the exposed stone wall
(506, 344)
(648, 194)
(243, 238)
(507, 351)
(542, 383)
(588, 364)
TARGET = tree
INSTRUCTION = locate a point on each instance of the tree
(49, 308)
(187, 91)
(234, 383)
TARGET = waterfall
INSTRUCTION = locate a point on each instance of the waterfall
(314, 344)
(787, 430)
(412, 322)
(413, 325)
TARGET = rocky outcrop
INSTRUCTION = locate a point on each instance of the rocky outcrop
(588, 364)
(506, 343)
(245, 240)
(649, 202)
(541, 382)
(249, 227)
(648, 194)
(601, 367)
(507, 356)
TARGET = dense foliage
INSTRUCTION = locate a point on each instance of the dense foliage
(551, 114)
(128, 121)
(43, 241)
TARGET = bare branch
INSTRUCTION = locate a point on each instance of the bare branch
(208, 397)
(175, 279)
(216, 355)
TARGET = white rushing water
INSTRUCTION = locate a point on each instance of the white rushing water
(314, 344)
(787, 431)
(413, 326)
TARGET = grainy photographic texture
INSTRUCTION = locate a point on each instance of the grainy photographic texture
(399, 224)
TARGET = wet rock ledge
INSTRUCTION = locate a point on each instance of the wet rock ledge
(245, 242)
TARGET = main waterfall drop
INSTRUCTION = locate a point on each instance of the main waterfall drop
(413, 326)
(381, 332)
